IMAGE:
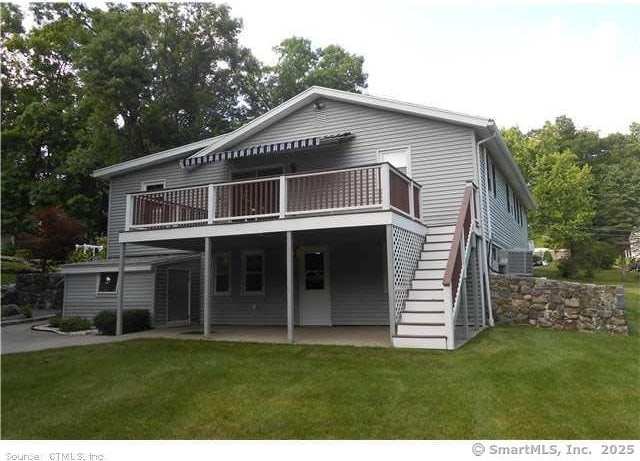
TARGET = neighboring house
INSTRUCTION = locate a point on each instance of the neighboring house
(334, 208)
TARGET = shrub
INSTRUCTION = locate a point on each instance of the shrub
(132, 320)
(8, 249)
(547, 256)
(55, 321)
(74, 324)
(9, 310)
(26, 311)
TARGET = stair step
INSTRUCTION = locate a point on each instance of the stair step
(421, 329)
(426, 284)
(424, 305)
(441, 230)
(433, 254)
(436, 246)
(434, 264)
(439, 238)
(426, 294)
(429, 274)
(422, 317)
(420, 342)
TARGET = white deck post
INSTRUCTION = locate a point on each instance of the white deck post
(208, 251)
(120, 286)
(385, 186)
(412, 206)
(283, 196)
(391, 282)
(128, 212)
(289, 255)
(211, 203)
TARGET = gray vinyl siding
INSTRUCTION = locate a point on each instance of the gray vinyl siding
(160, 313)
(441, 153)
(81, 299)
(507, 231)
(356, 271)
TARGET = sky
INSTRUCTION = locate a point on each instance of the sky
(519, 63)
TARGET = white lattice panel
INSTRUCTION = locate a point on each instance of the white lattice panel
(407, 246)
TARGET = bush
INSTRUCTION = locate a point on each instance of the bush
(74, 324)
(8, 249)
(55, 321)
(26, 311)
(133, 320)
(9, 310)
(547, 257)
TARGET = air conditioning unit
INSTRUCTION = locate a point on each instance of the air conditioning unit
(516, 261)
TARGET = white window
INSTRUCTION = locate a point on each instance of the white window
(150, 186)
(253, 272)
(107, 282)
(222, 274)
(399, 157)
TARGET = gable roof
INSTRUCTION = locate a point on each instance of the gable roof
(484, 128)
(153, 159)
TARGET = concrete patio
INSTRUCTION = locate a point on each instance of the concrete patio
(21, 338)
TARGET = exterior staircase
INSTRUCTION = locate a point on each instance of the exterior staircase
(423, 322)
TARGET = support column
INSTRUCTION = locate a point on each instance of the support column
(390, 282)
(120, 285)
(208, 252)
(290, 306)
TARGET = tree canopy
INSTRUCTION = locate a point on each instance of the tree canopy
(85, 87)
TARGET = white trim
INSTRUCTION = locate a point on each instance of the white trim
(374, 218)
(101, 269)
(243, 272)
(215, 273)
(380, 153)
(144, 185)
(187, 321)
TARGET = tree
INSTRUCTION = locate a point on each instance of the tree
(300, 67)
(53, 238)
(566, 208)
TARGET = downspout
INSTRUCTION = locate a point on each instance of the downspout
(489, 230)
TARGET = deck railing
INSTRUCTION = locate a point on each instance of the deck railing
(369, 187)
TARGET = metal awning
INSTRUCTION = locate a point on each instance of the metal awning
(265, 149)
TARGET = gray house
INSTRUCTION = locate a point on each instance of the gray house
(332, 209)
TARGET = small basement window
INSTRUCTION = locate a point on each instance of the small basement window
(108, 282)
(253, 272)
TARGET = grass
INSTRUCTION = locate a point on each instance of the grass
(509, 382)
(630, 280)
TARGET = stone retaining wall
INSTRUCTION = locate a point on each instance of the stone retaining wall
(559, 305)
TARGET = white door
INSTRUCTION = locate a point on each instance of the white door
(315, 289)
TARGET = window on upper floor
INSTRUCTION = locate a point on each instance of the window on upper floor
(489, 182)
(150, 186)
(507, 191)
(495, 184)
(399, 157)
(257, 173)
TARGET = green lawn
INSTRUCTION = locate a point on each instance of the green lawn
(510, 382)
(630, 280)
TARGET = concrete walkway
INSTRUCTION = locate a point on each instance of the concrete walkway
(21, 338)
